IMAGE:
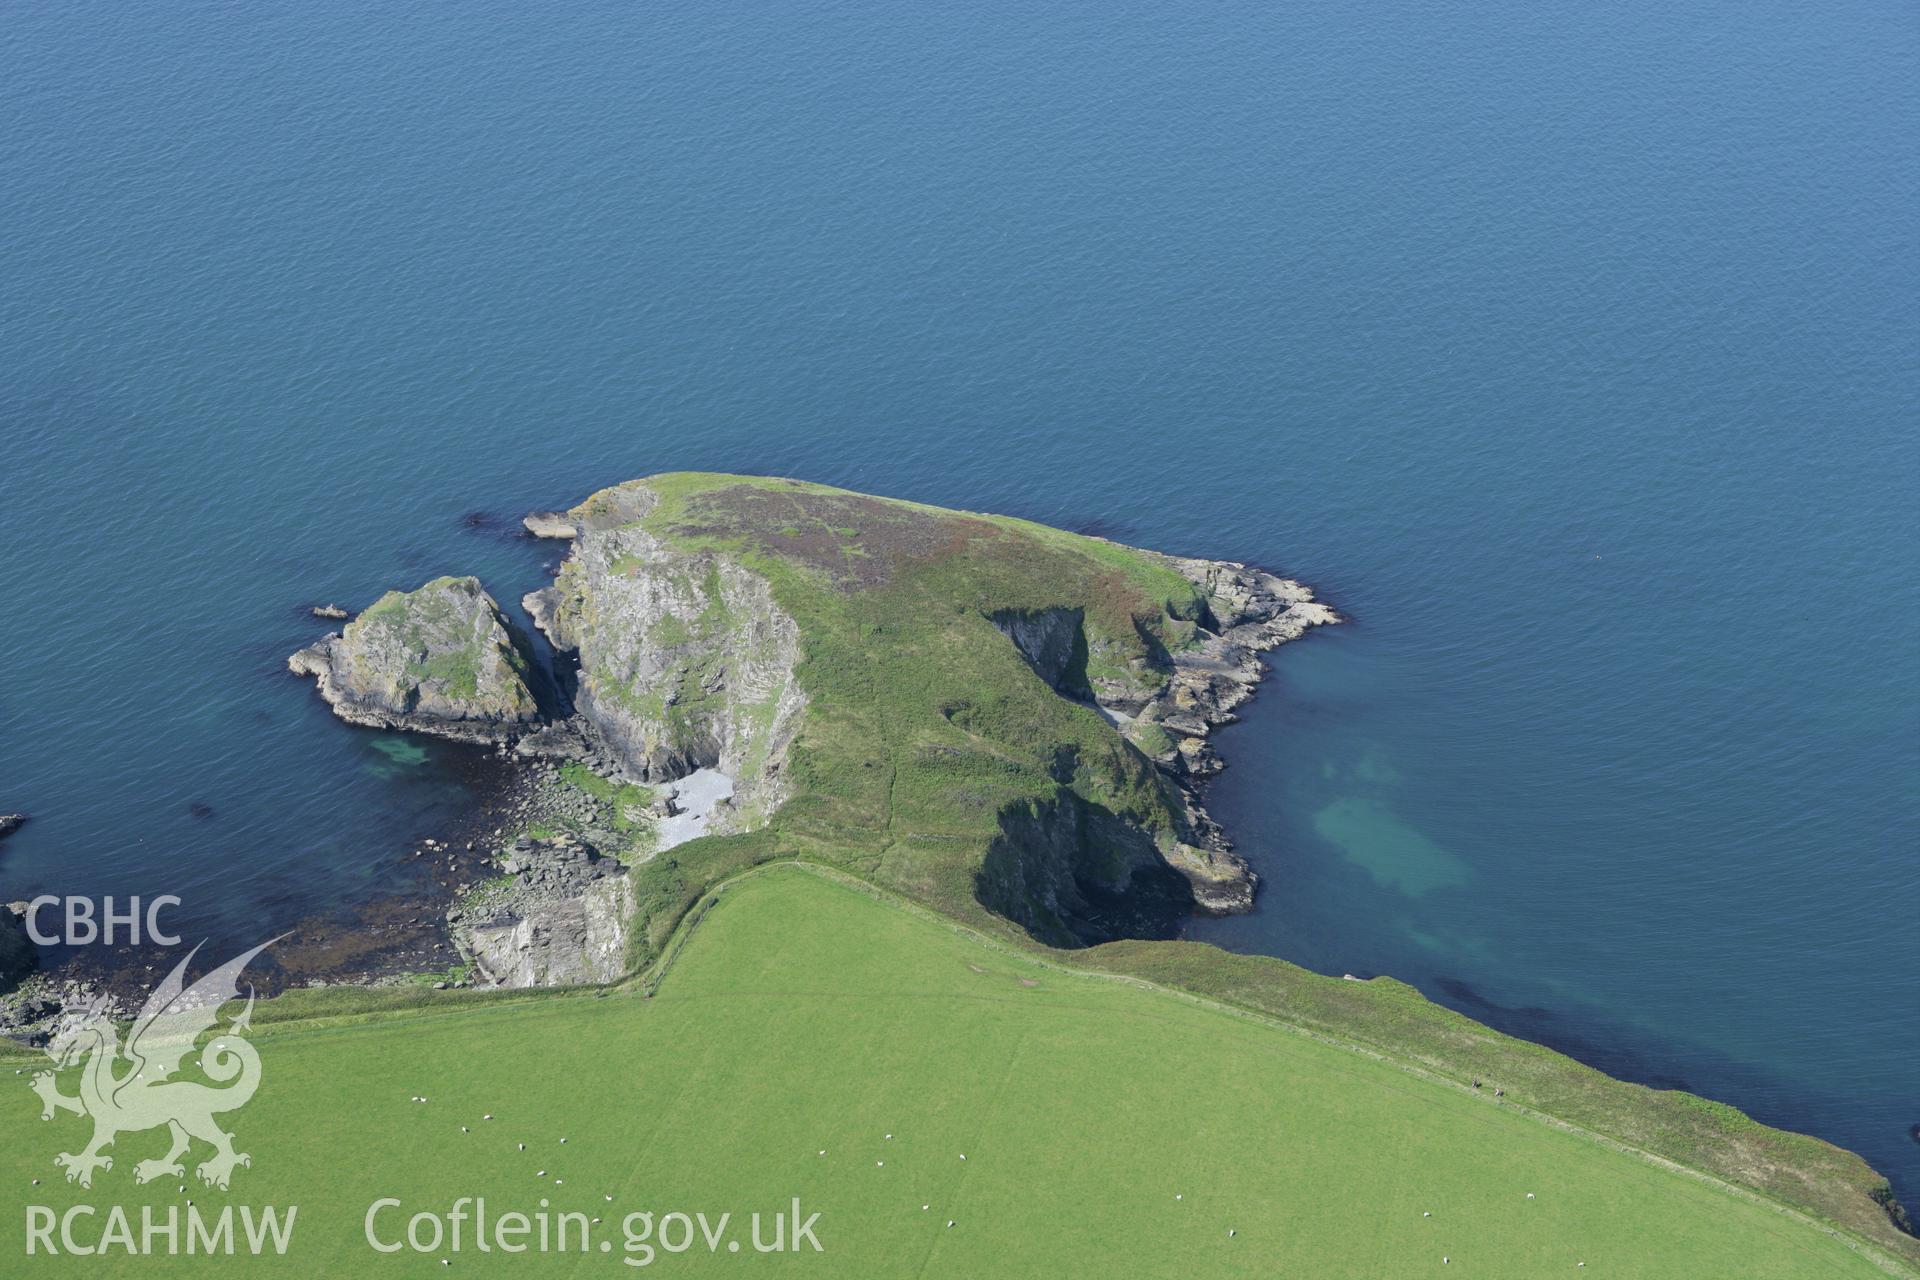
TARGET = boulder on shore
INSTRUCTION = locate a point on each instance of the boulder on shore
(442, 659)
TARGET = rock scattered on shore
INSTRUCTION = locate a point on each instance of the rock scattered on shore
(558, 918)
(30, 1013)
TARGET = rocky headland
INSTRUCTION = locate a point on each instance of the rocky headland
(990, 713)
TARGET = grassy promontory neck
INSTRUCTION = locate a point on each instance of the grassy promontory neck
(1002, 721)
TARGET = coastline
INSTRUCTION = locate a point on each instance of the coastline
(1215, 672)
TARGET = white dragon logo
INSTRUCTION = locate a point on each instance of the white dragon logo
(125, 1091)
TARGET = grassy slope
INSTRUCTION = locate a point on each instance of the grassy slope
(1084, 1106)
(891, 787)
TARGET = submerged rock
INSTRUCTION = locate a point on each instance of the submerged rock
(10, 823)
(442, 659)
(550, 524)
(16, 948)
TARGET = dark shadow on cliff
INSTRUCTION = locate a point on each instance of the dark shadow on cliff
(1073, 873)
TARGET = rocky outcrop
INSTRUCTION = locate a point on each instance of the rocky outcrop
(550, 524)
(1220, 880)
(1248, 611)
(558, 918)
(685, 658)
(10, 823)
(442, 659)
(333, 612)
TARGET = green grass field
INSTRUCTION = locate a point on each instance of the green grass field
(1109, 1129)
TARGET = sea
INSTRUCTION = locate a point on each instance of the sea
(1572, 352)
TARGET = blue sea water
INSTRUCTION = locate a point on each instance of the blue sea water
(1572, 351)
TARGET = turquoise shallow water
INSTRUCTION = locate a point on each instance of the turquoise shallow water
(1571, 353)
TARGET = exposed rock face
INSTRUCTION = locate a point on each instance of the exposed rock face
(10, 823)
(442, 660)
(1054, 643)
(686, 661)
(550, 524)
(330, 611)
(560, 920)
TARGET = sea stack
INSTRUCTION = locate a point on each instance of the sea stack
(441, 659)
